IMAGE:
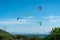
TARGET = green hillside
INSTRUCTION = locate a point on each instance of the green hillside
(5, 35)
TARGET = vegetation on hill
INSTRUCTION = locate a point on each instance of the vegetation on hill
(54, 35)
(5, 35)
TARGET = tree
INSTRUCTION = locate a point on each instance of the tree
(55, 34)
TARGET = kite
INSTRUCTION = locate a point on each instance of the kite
(18, 18)
(40, 8)
(27, 14)
(39, 22)
(5, 27)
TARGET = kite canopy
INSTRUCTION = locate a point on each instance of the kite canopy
(40, 22)
(40, 8)
(28, 14)
(18, 18)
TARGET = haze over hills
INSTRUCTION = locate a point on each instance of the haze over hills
(55, 35)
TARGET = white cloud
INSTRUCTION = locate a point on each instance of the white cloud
(30, 28)
(52, 18)
(14, 21)
(51, 21)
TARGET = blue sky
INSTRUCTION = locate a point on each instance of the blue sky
(11, 9)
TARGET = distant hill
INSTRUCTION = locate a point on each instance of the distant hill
(5, 35)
